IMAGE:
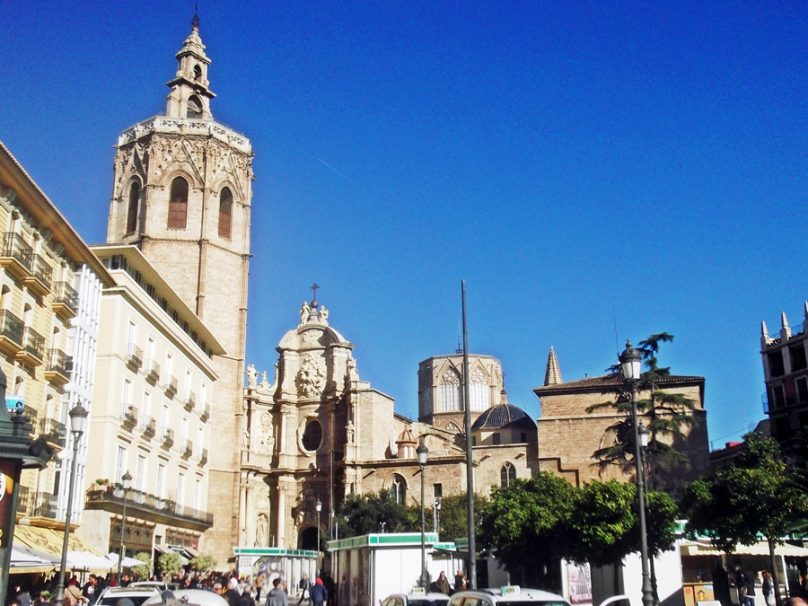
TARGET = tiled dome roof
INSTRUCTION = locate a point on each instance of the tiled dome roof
(502, 415)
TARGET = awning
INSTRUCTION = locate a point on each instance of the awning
(47, 542)
(24, 560)
(758, 549)
(127, 561)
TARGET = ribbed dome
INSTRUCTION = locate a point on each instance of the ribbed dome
(502, 415)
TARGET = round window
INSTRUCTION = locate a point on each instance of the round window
(312, 435)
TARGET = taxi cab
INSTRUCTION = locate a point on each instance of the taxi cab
(417, 597)
(508, 595)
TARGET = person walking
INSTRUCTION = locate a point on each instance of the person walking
(304, 589)
(319, 594)
(768, 588)
(276, 595)
(745, 586)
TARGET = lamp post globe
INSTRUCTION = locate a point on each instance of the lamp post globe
(631, 367)
(423, 453)
(78, 425)
(318, 507)
(126, 483)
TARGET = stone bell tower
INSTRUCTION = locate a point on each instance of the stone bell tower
(182, 193)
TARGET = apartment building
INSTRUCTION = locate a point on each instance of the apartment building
(152, 417)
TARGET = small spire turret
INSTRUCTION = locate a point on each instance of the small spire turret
(552, 375)
(785, 329)
(190, 89)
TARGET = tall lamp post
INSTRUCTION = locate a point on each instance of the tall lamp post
(126, 482)
(423, 452)
(78, 425)
(630, 363)
(318, 507)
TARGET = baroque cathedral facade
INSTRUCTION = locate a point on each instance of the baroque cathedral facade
(313, 429)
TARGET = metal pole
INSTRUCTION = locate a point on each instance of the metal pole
(123, 528)
(424, 574)
(471, 565)
(647, 593)
(60, 585)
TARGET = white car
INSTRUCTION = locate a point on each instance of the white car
(416, 598)
(510, 595)
(191, 597)
(138, 595)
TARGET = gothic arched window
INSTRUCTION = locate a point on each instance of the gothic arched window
(450, 391)
(132, 209)
(398, 490)
(178, 204)
(194, 107)
(225, 212)
(479, 391)
(507, 475)
(197, 72)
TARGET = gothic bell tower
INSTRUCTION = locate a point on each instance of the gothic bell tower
(182, 193)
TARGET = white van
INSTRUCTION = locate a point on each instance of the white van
(509, 595)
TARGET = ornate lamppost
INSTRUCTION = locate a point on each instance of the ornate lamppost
(126, 482)
(423, 452)
(630, 363)
(78, 425)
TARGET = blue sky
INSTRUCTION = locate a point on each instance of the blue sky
(581, 165)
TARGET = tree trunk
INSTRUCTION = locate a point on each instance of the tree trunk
(775, 578)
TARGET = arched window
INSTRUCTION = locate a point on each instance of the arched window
(479, 391)
(225, 212)
(194, 107)
(450, 391)
(398, 490)
(197, 72)
(131, 212)
(178, 204)
(507, 475)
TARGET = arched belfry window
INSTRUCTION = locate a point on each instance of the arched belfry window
(225, 212)
(479, 391)
(132, 209)
(178, 204)
(507, 475)
(450, 397)
(197, 72)
(194, 107)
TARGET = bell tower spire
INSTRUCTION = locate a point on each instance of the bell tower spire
(190, 93)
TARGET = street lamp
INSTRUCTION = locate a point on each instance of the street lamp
(422, 451)
(78, 425)
(630, 362)
(126, 482)
(318, 507)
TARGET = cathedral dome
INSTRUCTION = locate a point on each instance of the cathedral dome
(501, 416)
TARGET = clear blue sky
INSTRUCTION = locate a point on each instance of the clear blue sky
(572, 161)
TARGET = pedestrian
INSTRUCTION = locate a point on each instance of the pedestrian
(276, 595)
(319, 594)
(459, 581)
(768, 588)
(721, 584)
(441, 584)
(745, 586)
(304, 589)
(246, 598)
(231, 595)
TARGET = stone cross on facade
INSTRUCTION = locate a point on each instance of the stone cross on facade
(314, 288)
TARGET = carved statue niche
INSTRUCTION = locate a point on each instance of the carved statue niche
(261, 530)
(266, 440)
(310, 378)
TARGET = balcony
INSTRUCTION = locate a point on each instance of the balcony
(171, 387)
(134, 356)
(129, 419)
(203, 458)
(33, 348)
(168, 439)
(24, 501)
(205, 413)
(189, 449)
(190, 401)
(149, 427)
(11, 330)
(147, 507)
(15, 256)
(43, 505)
(31, 413)
(59, 367)
(65, 300)
(40, 279)
(152, 371)
(54, 432)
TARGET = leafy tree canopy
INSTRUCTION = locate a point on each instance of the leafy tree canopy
(454, 515)
(169, 564)
(372, 512)
(203, 562)
(142, 571)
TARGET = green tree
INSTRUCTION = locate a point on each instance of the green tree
(142, 571)
(454, 515)
(753, 497)
(602, 523)
(666, 415)
(526, 524)
(169, 564)
(369, 513)
(203, 562)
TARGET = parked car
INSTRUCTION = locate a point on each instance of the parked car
(191, 597)
(138, 595)
(510, 595)
(158, 585)
(417, 597)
